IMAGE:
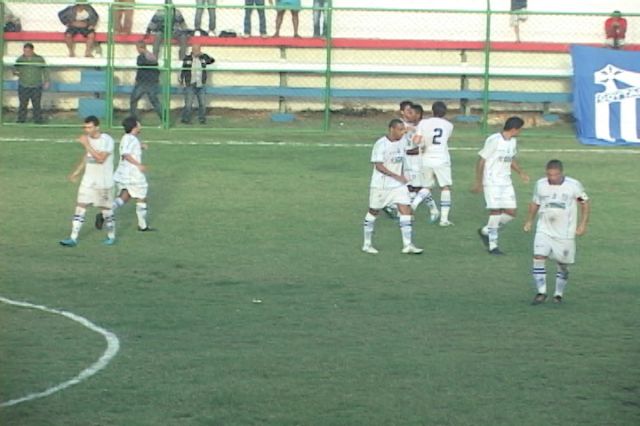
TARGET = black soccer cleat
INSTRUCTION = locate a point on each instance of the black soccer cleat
(483, 238)
(99, 221)
(540, 298)
(147, 229)
(496, 252)
(557, 299)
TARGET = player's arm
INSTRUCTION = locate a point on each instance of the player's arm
(382, 169)
(477, 186)
(531, 214)
(99, 156)
(131, 160)
(516, 168)
(73, 176)
(585, 211)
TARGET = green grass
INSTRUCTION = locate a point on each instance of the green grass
(446, 338)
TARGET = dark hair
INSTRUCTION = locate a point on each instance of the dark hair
(555, 164)
(28, 45)
(418, 108)
(439, 109)
(513, 123)
(129, 124)
(405, 104)
(395, 122)
(92, 119)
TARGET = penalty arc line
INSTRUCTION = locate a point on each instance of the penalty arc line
(113, 346)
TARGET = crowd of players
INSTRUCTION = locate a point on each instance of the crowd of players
(413, 158)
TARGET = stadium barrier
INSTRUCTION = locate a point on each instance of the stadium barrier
(477, 71)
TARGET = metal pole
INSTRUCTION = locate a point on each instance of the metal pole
(2, 11)
(487, 56)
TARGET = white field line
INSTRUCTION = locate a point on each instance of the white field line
(587, 150)
(113, 345)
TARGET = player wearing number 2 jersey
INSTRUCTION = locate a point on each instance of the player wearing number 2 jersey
(434, 133)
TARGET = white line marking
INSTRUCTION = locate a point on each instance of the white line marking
(113, 346)
(586, 149)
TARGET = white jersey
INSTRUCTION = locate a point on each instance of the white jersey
(435, 132)
(558, 213)
(128, 173)
(99, 175)
(392, 156)
(498, 154)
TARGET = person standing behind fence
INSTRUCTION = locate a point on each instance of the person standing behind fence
(615, 29)
(123, 17)
(519, 7)
(320, 17)
(283, 6)
(79, 19)
(33, 76)
(194, 78)
(210, 5)
(249, 7)
(147, 80)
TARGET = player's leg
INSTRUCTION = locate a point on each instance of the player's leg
(562, 277)
(279, 18)
(539, 273)
(445, 206)
(110, 226)
(369, 227)
(295, 20)
(76, 225)
(140, 194)
(406, 229)
(490, 230)
(564, 252)
(118, 202)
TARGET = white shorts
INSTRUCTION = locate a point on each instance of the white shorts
(136, 191)
(560, 250)
(500, 197)
(98, 197)
(440, 174)
(413, 170)
(380, 198)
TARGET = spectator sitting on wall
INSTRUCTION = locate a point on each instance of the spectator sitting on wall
(616, 29)
(178, 25)
(283, 6)
(519, 7)
(80, 19)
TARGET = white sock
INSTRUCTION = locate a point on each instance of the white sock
(369, 225)
(141, 212)
(109, 223)
(78, 221)
(539, 273)
(505, 218)
(492, 230)
(562, 276)
(118, 202)
(445, 205)
(405, 229)
(420, 197)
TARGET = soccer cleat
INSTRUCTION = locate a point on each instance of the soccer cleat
(99, 221)
(369, 249)
(496, 252)
(69, 242)
(557, 299)
(540, 298)
(434, 216)
(147, 229)
(484, 238)
(445, 223)
(109, 241)
(391, 212)
(411, 249)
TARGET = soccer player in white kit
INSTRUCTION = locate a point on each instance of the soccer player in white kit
(389, 186)
(433, 134)
(96, 187)
(130, 176)
(555, 200)
(493, 176)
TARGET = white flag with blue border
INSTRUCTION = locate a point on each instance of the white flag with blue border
(606, 92)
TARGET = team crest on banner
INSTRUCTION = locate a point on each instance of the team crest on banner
(606, 92)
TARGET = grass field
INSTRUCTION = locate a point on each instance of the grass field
(340, 337)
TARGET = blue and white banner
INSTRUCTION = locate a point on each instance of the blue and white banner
(606, 92)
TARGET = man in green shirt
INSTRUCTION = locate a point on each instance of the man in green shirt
(33, 76)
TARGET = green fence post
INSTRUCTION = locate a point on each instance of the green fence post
(328, 13)
(487, 56)
(2, 64)
(110, 64)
